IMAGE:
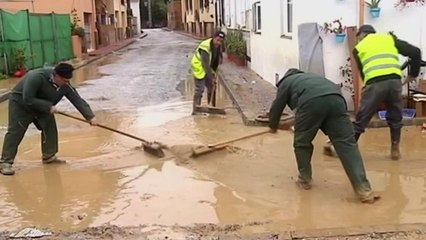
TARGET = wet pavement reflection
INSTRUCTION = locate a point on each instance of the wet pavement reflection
(146, 90)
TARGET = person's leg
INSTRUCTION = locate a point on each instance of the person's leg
(339, 128)
(19, 120)
(49, 139)
(308, 119)
(198, 94)
(372, 95)
(394, 115)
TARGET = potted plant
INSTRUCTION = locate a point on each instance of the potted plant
(20, 61)
(236, 47)
(337, 28)
(374, 8)
(76, 30)
(77, 34)
(405, 3)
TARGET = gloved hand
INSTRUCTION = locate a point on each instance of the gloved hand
(408, 79)
(93, 122)
(53, 110)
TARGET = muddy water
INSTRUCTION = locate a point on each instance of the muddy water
(109, 180)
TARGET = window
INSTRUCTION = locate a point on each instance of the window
(248, 18)
(243, 19)
(257, 17)
(286, 17)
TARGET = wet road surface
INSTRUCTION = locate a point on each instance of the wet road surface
(145, 90)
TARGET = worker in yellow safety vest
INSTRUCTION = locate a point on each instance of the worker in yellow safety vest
(204, 65)
(377, 56)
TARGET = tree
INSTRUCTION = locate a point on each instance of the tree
(159, 11)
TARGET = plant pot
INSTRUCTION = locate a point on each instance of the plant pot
(77, 46)
(240, 61)
(375, 12)
(20, 72)
(340, 37)
(230, 56)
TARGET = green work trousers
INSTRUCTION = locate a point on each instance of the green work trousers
(19, 120)
(329, 114)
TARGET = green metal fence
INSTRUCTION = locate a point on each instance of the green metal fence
(45, 38)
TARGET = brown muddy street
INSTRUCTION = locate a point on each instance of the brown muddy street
(145, 90)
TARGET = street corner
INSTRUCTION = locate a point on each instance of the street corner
(143, 35)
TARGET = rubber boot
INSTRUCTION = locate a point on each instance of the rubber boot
(395, 138)
(209, 97)
(329, 150)
(357, 135)
(54, 159)
(368, 196)
(196, 102)
(6, 169)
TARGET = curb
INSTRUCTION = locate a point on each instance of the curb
(4, 96)
(417, 121)
(238, 103)
(189, 35)
(144, 35)
(336, 232)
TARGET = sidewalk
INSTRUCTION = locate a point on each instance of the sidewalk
(85, 60)
(253, 96)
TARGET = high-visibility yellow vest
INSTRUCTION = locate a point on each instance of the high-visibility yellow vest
(378, 56)
(196, 64)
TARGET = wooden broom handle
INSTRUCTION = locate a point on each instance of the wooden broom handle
(104, 127)
(238, 139)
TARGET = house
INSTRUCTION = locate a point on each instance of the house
(285, 33)
(117, 12)
(174, 15)
(198, 17)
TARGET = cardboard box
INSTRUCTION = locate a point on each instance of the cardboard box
(422, 85)
(420, 108)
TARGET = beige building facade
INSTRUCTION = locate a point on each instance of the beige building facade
(104, 21)
(198, 17)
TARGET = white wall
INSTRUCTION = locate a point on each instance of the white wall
(272, 54)
(134, 5)
(335, 54)
(407, 23)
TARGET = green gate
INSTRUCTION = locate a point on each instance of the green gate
(45, 39)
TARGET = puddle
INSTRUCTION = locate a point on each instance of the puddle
(107, 180)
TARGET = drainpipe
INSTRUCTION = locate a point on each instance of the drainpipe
(361, 13)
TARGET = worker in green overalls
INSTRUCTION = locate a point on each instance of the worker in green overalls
(318, 104)
(33, 100)
(204, 65)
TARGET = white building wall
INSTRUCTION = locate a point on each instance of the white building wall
(272, 54)
(408, 23)
(134, 5)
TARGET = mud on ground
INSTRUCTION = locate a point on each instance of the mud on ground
(216, 232)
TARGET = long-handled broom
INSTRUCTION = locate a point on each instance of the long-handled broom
(211, 109)
(153, 148)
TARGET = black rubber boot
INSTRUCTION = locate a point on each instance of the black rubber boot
(395, 139)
